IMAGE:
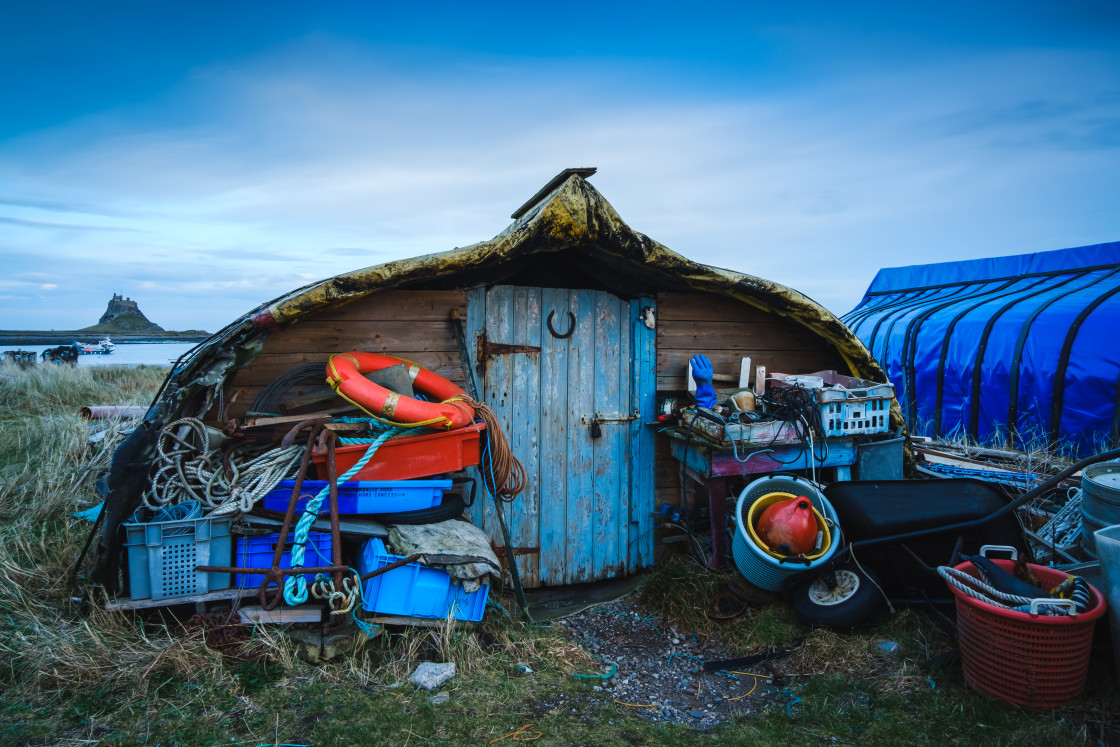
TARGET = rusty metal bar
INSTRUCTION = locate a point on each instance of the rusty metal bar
(392, 566)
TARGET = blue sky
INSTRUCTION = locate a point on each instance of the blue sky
(205, 157)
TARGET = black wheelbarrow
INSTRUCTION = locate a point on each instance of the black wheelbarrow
(897, 533)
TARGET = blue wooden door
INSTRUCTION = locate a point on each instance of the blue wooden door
(556, 362)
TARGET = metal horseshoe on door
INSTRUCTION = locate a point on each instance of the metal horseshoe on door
(571, 326)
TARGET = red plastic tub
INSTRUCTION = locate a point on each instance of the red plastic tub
(1034, 661)
(408, 458)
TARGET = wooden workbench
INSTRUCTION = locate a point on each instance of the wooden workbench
(709, 465)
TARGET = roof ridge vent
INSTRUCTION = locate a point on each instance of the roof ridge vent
(553, 183)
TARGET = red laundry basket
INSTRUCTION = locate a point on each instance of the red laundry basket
(1034, 661)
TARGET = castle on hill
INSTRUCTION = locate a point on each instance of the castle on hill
(124, 315)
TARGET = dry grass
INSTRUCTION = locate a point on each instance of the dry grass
(47, 471)
(59, 648)
(69, 672)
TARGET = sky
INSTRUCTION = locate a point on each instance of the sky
(206, 157)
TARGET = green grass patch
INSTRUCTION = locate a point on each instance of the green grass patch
(71, 674)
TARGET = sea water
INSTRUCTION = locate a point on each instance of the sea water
(126, 354)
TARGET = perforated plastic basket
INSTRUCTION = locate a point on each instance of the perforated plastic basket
(849, 406)
(162, 556)
(1034, 661)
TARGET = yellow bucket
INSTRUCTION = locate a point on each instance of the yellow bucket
(763, 503)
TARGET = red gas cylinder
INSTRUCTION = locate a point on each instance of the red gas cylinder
(789, 527)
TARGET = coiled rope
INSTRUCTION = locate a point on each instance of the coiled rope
(1073, 588)
(189, 469)
(505, 477)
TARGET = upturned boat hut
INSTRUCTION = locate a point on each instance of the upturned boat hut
(574, 324)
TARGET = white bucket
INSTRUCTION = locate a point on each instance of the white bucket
(760, 567)
(1108, 550)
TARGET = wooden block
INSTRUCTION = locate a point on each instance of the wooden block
(760, 380)
(346, 642)
(281, 616)
(745, 373)
(309, 644)
(268, 422)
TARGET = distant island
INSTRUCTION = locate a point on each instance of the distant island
(122, 321)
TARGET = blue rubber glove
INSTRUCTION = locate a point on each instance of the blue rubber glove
(702, 374)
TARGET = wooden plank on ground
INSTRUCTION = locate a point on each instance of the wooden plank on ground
(281, 616)
(127, 603)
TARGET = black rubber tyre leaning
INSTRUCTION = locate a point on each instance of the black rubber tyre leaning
(451, 507)
(854, 601)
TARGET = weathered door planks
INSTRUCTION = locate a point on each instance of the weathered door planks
(585, 510)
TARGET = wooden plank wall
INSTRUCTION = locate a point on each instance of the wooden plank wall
(725, 330)
(411, 324)
(414, 324)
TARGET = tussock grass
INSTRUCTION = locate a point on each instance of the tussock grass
(70, 673)
(47, 471)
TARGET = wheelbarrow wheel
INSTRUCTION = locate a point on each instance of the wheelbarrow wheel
(841, 597)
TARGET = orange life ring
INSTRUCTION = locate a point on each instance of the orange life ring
(344, 374)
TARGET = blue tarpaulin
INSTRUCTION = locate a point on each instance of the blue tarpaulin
(1018, 349)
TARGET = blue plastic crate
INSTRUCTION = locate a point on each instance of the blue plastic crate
(162, 556)
(256, 552)
(363, 496)
(415, 590)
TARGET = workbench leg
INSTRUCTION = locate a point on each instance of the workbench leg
(688, 490)
(843, 473)
(717, 516)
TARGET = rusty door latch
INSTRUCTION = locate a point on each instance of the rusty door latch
(599, 419)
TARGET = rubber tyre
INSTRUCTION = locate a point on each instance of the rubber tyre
(855, 601)
(451, 508)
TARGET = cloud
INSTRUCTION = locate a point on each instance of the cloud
(289, 170)
(47, 224)
(48, 286)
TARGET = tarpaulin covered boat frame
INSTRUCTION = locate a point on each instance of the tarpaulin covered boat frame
(567, 219)
(1019, 349)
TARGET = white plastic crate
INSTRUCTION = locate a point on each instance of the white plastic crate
(853, 407)
(849, 406)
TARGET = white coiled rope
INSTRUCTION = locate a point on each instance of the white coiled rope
(188, 468)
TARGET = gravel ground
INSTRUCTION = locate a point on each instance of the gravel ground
(660, 669)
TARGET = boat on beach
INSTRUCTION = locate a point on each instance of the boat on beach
(104, 347)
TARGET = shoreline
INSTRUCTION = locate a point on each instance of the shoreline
(64, 337)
